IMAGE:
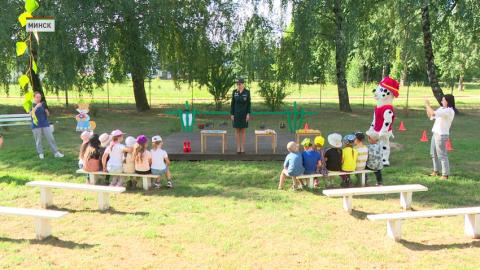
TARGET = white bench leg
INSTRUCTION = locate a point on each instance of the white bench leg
(310, 182)
(92, 179)
(42, 228)
(394, 229)
(363, 179)
(103, 201)
(406, 200)
(46, 197)
(347, 203)
(472, 225)
(146, 183)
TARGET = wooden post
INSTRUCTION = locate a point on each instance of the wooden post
(347, 203)
(405, 200)
(103, 201)
(394, 229)
(42, 228)
(46, 197)
(146, 183)
(256, 144)
(472, 225)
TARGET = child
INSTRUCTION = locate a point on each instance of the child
(85, 136)
(362, 152)
(349, 158)
(160, 162)
(105, 140)
(319, 141)
(129, 163)
(141, 156)
(375, 156)
(292, 166)
(311, 159)
(333, 156)
(91, 157)
(114, 154)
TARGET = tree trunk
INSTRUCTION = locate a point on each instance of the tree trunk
(141, 101)
(429, 58)
(460, 83)
(341, 57)
(35, 79)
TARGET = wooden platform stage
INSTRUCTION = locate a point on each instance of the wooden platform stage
(173, 144)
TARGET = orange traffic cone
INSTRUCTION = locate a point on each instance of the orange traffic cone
(306, 126)
(424, 136)
(402, 127)
(448, 145)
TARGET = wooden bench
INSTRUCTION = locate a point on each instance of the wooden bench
(311, 177)
(43, 229)
(348, 193)
(146, 178)
(394, 220)
(15, 120)
(46, 196)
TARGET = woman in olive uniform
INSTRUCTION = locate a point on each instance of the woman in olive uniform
(240, 113)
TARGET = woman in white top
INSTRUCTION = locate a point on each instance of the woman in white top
(443, 117)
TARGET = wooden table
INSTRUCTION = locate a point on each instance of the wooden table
(211, 133)
(309, 134)
(263, 133)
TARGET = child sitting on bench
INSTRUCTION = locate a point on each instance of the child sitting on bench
(292, 167)
(311, 159)
(375, 156)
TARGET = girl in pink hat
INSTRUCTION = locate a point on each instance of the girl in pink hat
(114, 153)
(141, 156)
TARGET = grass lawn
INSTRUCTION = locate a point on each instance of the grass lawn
(229, 215)
(165, 92)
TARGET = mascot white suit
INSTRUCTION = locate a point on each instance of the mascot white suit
(384, 114)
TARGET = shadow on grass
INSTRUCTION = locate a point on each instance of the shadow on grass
(424, 247)
(50, 241)
(111, 211)
(10, 179)
(358, 214)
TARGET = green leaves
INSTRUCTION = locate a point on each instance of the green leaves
(28, 101)
(31, 5)
(23, 81)
(23, 18)
(34, 66)
(21, 47)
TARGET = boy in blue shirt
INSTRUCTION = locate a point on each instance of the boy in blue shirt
(311, 158)
(292, 167)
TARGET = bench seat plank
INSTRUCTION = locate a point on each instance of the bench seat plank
(43, 229)
(333, 173)
(36, 213)
(75, 186)
(426, 214)
(118, 174)
(373, 190)
(46, 196)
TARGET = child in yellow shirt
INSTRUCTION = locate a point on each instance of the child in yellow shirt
(349, 158)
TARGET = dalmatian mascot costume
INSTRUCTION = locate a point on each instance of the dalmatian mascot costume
(384, 114)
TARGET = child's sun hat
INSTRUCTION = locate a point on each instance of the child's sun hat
(142, 139)
(156, 138)
(130, 141)
(117, 132)
(319, 141)
(105, 139)
(307, 142)
(335, 140)
(85, 136)
(349, 139)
